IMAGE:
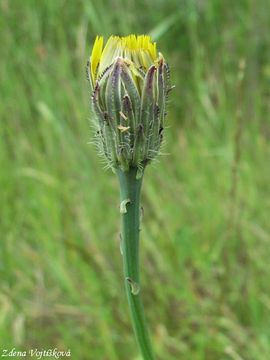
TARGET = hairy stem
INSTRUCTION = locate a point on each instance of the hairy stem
(130, 190)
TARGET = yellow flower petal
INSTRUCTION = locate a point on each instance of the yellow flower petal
(95, 56)
(110, 52)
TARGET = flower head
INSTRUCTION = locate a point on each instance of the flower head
(130, 83)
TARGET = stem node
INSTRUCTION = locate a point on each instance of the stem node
(123, 206)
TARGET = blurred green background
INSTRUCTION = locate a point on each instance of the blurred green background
(205, 246)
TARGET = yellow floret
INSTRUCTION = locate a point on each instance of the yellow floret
(140, 50)
(96, 54)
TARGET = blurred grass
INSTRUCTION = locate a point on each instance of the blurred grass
(206, 231)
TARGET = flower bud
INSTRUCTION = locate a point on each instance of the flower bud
(130, 84)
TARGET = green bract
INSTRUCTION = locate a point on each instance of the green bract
(128, 100)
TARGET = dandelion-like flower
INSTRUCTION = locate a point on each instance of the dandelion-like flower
(130, 83)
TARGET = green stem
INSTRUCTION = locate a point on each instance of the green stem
(130, 190)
